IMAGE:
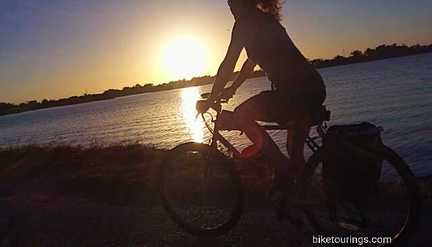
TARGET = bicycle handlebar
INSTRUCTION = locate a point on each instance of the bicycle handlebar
(205, 95)
(220, 100)
(216, 104)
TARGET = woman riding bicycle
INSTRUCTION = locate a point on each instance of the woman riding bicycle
(297, 88)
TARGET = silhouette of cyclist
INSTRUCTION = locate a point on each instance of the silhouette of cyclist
(297, 88)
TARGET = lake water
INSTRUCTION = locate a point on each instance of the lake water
(393, 93)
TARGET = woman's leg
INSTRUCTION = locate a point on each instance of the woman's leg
(298, 137)
(259, 108)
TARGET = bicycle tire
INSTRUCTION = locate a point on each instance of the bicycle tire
(399, 165)
(225, 165)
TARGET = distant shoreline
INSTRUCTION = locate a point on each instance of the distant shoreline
(379, 53)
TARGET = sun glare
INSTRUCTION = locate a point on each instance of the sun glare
(195, 126)
(184, 57)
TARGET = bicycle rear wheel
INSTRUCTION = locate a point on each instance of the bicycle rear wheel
(200, 190)
(382, 217)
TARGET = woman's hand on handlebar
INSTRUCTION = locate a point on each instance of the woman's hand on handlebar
(203, 106)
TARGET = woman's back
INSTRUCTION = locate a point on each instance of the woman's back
(268, 44)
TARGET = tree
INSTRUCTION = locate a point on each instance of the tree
(356, 53)
(369, 52)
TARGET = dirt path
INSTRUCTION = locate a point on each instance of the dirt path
(35, 221)
(105, 197)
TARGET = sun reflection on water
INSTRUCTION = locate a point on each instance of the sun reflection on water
(195, 125)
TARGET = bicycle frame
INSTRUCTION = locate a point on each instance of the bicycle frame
(311, 141)
(320, 198)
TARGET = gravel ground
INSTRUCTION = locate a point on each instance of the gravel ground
(67, 196)
(40, 221)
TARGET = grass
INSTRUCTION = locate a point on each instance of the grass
(112, 173)
(74, 196)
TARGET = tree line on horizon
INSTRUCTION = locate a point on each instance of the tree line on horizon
(357, 56)
(380, 52)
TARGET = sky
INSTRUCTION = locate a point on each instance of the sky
(59, 48)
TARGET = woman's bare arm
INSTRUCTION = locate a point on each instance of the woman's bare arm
(245, 72)
(226, 68)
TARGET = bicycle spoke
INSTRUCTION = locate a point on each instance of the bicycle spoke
(383, 211)
(200, 192)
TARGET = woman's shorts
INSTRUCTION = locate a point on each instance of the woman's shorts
(281, 107)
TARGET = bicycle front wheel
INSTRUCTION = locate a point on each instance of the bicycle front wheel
(200, 190)
(382, 216)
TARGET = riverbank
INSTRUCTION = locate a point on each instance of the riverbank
(108, 173)
(107, 196)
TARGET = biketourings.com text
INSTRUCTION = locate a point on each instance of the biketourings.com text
(323, 240)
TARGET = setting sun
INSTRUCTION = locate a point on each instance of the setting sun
(184, 57)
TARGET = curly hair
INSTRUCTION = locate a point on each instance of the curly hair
(271, 7)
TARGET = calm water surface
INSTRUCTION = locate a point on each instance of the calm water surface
(393, 93)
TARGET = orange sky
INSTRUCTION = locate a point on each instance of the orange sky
(61, 48)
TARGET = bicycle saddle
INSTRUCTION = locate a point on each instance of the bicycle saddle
(317, 118)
